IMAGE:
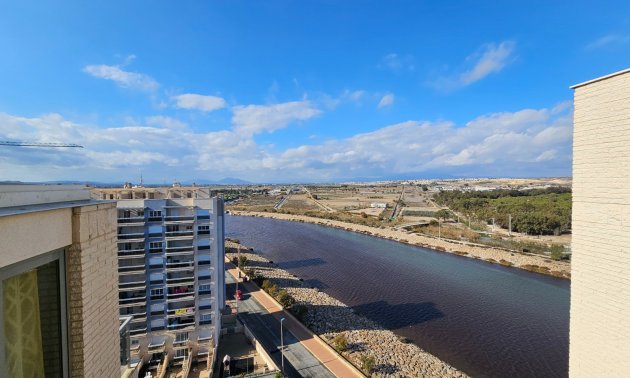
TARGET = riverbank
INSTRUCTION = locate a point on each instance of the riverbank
(530, 262)
(328, 318)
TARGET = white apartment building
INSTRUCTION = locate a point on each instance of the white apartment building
(171, 272)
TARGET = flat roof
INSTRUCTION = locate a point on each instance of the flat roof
(24, 209)
(601, 78)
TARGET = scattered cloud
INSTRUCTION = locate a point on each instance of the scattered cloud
(609, 40)
(523, 143)
(124, 79)
(199, 102)
(386, 101)
(397, 63)
(254, 119)
(490, 58)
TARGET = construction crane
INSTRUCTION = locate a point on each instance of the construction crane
(36, 144)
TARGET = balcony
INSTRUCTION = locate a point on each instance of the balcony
(203, 232)
(203, 262)
(155, 250)
(155, 235)
(131, 269)
(180, 266)
(179, 312)
(130, 253)
(135, 236)
(154, 219)
(186, 234)
(203, 217)
(133, 301)
(179, 281)
(181, 323)
(204, 278)
(205, 307)
(203, 293)
(179, 218)
(203, 247)
(126, 220)
(138, 331)
(182, 296)
(156, 265)
(130, 286)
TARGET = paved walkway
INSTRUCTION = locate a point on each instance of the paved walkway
(331, 360)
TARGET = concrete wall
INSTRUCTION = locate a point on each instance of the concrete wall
(92, 274)
(600, 285)
(28, 235)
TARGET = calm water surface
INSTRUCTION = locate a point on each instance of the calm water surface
(484, 319)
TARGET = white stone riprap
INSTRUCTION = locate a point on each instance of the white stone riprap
(328, 317)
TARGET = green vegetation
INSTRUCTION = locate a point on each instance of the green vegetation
(340, 342)
(280, 295)
(534, 212)
(367, 364)
(242, 262)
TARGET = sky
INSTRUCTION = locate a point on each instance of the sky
(298, 91)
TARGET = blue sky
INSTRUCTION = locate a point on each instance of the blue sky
(283, 91)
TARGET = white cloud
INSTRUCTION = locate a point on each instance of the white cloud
(491, 58)
(608, 41)
(529, 142)
(397, 63)
(386, 100)
(199, 102)
(125, 79)
(254, 119)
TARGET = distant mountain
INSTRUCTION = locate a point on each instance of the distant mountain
(224, 181)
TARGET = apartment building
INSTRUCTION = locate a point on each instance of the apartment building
(599, 343)
(58, 283)
(171, 272)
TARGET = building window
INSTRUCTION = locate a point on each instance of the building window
(156, 245)
(181, 337)
(203, 228)
(157, 292)
(180, 353)
(205, 317)
(155, 213)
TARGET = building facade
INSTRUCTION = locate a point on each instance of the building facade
(171, 272)
(58, 283)
(600, 272)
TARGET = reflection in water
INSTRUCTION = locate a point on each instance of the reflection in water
(484, 319)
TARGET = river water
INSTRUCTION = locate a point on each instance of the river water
(484, 319)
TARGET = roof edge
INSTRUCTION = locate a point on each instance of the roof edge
(600, 78)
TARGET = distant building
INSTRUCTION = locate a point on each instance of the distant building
(600, 266)
(170, 257)
(378, 205)
(58, 283)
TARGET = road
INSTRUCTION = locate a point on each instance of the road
(299, 362)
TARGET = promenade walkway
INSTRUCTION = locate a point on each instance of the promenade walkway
(318, 348)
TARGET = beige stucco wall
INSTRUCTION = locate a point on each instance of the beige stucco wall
(600, 284)
(92, 269)
(27, 235)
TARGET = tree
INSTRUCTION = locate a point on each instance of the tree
(242, 260)
(443, 214)
(285, 299)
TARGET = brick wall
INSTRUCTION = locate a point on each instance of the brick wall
(600, 284)
(92, 269)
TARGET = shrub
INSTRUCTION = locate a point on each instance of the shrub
(557, 252)
(242, 261)
(340, 343)
(284, 298)
(367, 364)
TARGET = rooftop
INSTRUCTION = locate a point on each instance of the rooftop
(601, 78)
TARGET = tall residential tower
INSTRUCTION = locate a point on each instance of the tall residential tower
(171, 271)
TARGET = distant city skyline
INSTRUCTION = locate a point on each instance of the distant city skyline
(298, 92)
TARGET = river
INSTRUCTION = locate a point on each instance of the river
(484, 319)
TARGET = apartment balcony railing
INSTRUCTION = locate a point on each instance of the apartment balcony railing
(139, 318)
(130, 253)
(189, 292)
(157, 312)
(157, 297)
(182, 248)
(204, 278)
(180, 280)
(180, 234)
(182, 325)
(129, 286)
(179, 218)
(180, 267)
(131, 269)
(130, 311)
(155, 219)
(203, 217)
(155, 265)
(155, 234)
(138, 331)
(203, 232)
(205, 307)
(184, 252)
(156, 282)
(141, 300)
(189, 297)
(130, 236)
(156, 250)
(122, 221)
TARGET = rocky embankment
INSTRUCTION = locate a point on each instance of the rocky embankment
(531, 262)
(328, 317)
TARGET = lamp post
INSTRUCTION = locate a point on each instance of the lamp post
(282, 344)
